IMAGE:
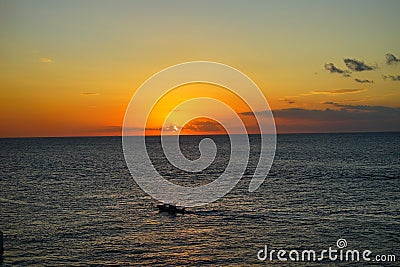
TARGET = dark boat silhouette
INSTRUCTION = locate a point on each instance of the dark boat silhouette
(170, 208)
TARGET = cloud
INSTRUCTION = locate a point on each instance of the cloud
(89, 93)
(287, 101)
(337, 91)
(391, 59)
(366, 98)
(356, 65)
(170, 128)
(344, 118)
(333, 69)
(195, 126)
(46, 60)
(345, 112)
(139, 130)
(250, 113)
(392, 77)
(363, 81)
(109, 129)
(353, 107)
(337, 118)
(113, 129)
(203, 125)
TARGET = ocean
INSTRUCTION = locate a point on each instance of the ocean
(73, 202)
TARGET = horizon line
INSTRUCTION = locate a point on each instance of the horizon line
(284, 133)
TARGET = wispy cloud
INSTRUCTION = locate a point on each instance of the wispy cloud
(357, 65)
(89, 93)
(363, 81)
(333, 69)
(391, 59)
(392, 77)
(336, 91)
(45, 60)
(289, 101)
(345, 112)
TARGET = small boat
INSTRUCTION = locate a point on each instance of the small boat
(172, 209)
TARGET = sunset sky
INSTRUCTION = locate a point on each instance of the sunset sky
(70, 68)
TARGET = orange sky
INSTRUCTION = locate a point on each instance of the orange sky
(70, 69)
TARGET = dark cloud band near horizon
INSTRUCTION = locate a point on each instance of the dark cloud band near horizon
(337, 118)
(336, 91)
(333, 69)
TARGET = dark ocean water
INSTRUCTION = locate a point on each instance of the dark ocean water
(72, 201)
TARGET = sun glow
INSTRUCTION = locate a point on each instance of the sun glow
(182, 121)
